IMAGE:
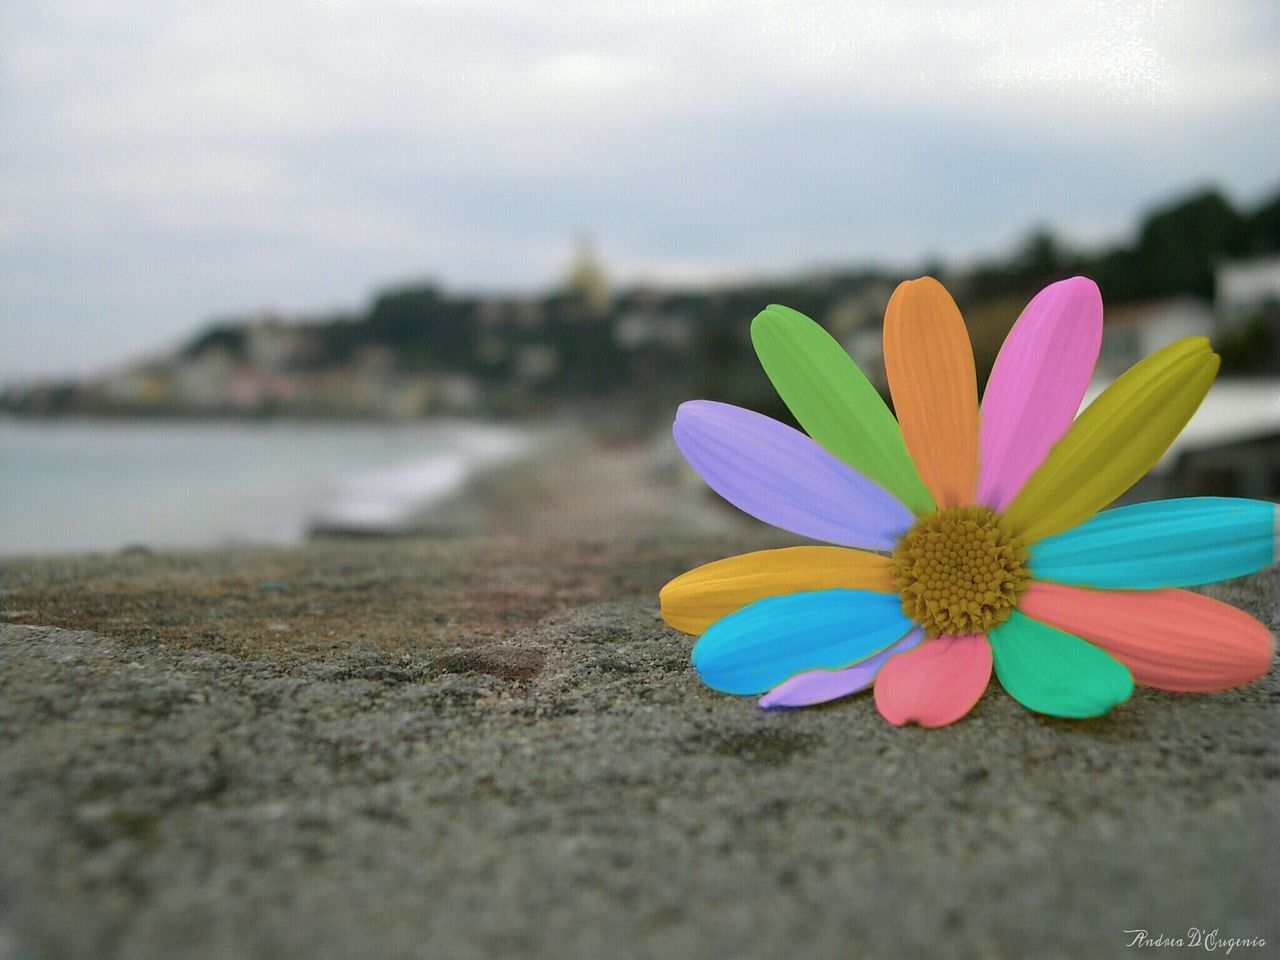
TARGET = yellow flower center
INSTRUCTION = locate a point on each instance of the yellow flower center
(959, 571)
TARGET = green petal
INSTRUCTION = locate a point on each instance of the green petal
(835, 403)
(1053, 672)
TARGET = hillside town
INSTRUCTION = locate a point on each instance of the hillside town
(419, 351)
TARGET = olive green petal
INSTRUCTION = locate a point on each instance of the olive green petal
(1114, 441)
(835, 403)
(1053, 672)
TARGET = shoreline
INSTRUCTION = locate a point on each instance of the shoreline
(84, 487)
(392, 500)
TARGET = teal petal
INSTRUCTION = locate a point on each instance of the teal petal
(764, 643)
(1053, 672)
(1165, 543)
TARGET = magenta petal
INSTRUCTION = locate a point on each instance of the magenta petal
(784, 478)
(819, 686)
(1036, 385)
(936, 683)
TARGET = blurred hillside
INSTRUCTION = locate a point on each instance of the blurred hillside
(1196, 264)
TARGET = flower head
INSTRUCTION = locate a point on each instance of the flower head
(967, 538)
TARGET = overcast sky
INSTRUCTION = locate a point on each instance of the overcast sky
(161, 163)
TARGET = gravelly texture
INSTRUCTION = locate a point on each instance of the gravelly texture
(471, 749)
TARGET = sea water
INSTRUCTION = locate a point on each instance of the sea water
(73, 485)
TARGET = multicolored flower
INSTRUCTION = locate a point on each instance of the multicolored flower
(967, 536)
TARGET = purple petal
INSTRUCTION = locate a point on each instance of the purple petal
(780, 476)
(1036, 385)
(819, 686)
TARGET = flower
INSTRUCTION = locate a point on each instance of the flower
(967, 537)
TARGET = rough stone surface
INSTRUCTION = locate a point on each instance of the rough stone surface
(478, 748)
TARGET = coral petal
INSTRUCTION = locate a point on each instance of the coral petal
(929, 364)
(780, 476)
(1170, 639)
(936, 683)
(1036, 385)
(819, 686)
(695, 600)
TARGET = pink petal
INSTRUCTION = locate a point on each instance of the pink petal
(936, 683)
(819, 686)
(1171, 639)
(1036, 385)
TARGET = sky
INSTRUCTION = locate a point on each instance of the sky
(164, 163)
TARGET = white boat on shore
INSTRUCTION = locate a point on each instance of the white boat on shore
(386, 501)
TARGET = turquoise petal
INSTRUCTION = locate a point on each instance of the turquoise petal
(1165, 543)
(1056, 673)
(764, 643)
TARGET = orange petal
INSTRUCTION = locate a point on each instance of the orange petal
(929, 364)
(695, 600)
(1171, 639)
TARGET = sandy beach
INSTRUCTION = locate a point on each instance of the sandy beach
(482, 741)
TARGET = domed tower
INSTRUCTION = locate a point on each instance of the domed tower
(586, 284)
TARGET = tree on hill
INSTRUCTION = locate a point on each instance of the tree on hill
(1178, 248)
(423, 327)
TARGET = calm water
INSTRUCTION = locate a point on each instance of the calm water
(90, 485)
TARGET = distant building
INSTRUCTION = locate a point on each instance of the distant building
(530, 313)
(1244, 287)
(268, 343)
(1133, 331)
(457, 393)
(536, 364)
(586, 283)
(492, 349)
(145, 386)
(857, 321)
(200, 382)
(491, 313)
(858, 310)
(637, 329)
(866, 346)
(248, 390)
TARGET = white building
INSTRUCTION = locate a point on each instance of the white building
(1245, 286)
(201, 381)
(641, 328)
(1230, 447)
(1134, 331)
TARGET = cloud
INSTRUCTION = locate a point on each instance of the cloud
(179, 160)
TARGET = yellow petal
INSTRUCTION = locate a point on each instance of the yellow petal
(695, 600)
(1117, 439)
(929, 364)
